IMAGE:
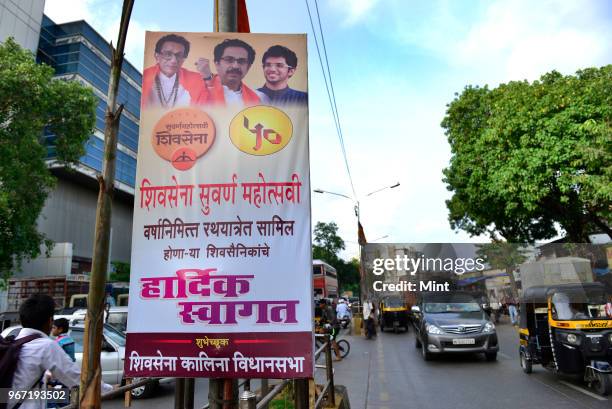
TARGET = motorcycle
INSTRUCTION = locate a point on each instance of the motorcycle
(344, 320)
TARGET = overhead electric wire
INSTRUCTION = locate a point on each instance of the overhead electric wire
(330, 94)
(323, 69)
(331, 86)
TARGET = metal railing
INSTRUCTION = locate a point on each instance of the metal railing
(329, 388)
(262, 401)
(74, 404)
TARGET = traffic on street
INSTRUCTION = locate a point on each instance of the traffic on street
(388, 372)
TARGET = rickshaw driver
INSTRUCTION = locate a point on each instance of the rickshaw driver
(608, 307)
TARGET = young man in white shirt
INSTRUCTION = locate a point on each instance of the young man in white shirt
(42, 353)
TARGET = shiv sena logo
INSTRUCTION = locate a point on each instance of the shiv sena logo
(182, 136)
(261, 130)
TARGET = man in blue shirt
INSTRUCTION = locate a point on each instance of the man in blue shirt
(279, 64)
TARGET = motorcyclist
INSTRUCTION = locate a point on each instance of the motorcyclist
(330, 322)
(343, 313)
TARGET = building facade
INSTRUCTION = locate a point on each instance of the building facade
(21, 19)
(78, 53)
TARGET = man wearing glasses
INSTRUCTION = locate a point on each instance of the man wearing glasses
(233, 59)
(167, 84)
(279, 64)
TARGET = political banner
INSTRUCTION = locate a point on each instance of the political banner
(221, 271)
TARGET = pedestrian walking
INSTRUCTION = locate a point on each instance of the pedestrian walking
(495, 307)
(512, 311)
(367, 310)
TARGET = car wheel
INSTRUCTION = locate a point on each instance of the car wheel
(602, 384)
(417, 341)
(145, 391)
(425, 353)
(491, 356)
(526, 364)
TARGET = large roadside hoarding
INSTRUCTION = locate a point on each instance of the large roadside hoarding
(221, 282)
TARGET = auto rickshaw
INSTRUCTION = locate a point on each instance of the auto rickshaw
(393, 314)
(567, 329)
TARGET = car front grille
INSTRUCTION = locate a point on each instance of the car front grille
(462, 329)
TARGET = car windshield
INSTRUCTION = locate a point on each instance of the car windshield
(114, 335)
(393, 303)
(117, 320)
(581, 307)
(453, 307)
(110, 333)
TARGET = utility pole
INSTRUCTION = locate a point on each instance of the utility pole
(90, 392)
(226, 20)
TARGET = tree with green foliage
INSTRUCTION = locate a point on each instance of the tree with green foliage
(527, 157)
(121, 271)
(327, 245)
(504, 256)
(327, 242)
(32, 101)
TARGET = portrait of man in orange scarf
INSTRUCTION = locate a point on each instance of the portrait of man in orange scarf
(167, 84)
(233, 59)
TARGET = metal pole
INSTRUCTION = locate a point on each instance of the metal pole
(226, 16)
(179, 393)
(226, 20)
(215, 386)
(228, 393)
(330, 373)
(264, 390)
(248, 400)
(189, 391)
(301, 394)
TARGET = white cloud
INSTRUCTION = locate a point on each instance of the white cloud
(354, 10)
(62, 11)
(508, 40)
(104, 16)
(134, 45)
(529, 38)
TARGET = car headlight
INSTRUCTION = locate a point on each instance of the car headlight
(569, 338)
(432, 329)
(610, 337)
(488, 327)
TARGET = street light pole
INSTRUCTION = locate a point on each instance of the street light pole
(360, 234)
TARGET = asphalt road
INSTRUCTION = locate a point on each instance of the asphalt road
(389, 373)
(394, 376)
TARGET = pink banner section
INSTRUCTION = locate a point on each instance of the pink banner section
(225, 355)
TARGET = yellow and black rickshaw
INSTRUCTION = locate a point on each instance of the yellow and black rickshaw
(393, 313)
(568, 329)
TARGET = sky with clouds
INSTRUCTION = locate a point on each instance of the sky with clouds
(395, 64)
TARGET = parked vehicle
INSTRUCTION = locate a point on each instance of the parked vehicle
(61, 289)
(567, 329)
(122, 300)
(115, 316)
(453, 323)
(325, 280)
(393, 313)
